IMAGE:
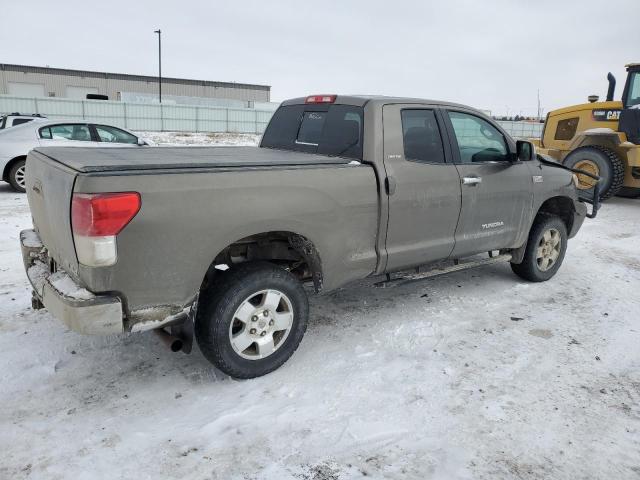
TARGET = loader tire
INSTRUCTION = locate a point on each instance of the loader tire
(602, 162)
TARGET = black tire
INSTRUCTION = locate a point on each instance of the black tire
(218, 305)
(629, 192)
(14, 179)
(610, 166)
(530, 269)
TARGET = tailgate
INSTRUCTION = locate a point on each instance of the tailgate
(49, 186)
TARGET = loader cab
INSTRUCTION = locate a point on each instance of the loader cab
(564, 127)
(631, 93)
(630, 115)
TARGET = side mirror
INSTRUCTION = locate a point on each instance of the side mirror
(141, 142)
(526, 151)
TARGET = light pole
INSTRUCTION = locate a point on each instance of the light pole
(159, 32)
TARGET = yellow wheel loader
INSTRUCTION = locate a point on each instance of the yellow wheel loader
(602, 138)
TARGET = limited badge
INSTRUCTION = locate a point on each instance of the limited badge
(537, 179)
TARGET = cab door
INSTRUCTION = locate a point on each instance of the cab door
(422, 185)
(497, 191)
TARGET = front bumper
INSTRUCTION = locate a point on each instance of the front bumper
(580, 213)
(79, 309)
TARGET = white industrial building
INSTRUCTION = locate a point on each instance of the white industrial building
(29, 81)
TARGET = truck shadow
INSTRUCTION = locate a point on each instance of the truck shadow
(5, 188)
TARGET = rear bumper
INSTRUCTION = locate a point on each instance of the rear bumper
(76, 307)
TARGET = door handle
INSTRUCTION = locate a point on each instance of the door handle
(471, 180)
(390, 185)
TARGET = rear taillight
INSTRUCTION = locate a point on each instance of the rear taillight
(321, 99)
(96, 219)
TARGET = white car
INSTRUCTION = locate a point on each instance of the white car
(15, 119)
(16, 142)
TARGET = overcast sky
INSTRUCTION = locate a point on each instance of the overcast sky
(491, 54)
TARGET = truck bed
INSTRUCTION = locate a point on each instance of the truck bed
(109, 159)
(197, 201)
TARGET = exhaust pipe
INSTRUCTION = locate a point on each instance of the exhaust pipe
(174, 343)
(612, 86)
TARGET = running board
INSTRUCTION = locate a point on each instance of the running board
(436, 271)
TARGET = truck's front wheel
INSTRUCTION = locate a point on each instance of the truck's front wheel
(545, 249)
(251, 321)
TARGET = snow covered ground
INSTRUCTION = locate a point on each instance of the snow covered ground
(475, 375)
(189, 138)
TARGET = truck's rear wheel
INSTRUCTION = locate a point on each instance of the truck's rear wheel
(545, 250)
(599, 161)
(17, 178)
(250, 322)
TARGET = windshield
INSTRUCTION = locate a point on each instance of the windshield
(333, 130)
(633, 96)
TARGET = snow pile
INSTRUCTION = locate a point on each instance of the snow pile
(187, 138)
(600, 131)
(65, 285)
(31, 239)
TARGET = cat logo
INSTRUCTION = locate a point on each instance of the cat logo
(606, 115)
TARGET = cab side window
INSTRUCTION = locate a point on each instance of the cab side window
(20, 121)
(78, 132)
(421, 136)
(478, 140)
(114, 135)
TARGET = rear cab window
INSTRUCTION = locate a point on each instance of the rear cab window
(325, 129)
(421, 136)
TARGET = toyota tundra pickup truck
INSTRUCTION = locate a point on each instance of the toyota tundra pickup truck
(225, 242)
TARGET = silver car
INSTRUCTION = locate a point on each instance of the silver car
(16, 142)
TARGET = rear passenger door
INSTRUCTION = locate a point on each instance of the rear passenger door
(497, 190)
(423, 187)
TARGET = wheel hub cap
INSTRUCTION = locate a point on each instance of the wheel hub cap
(20, 176)
(261, 324)
(584, 182)
(549, 249)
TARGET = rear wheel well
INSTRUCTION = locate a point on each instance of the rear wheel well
(293, 252)
(11, 163)
(561, 207)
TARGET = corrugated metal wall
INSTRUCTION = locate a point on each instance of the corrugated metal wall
(56, 82)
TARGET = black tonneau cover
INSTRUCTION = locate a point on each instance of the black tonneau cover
(107, 159)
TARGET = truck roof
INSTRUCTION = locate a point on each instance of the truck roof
(379, 100)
